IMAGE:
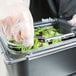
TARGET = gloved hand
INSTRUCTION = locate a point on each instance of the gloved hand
(73, 21)
(16, 22)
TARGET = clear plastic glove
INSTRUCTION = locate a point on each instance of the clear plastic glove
(16, 22)
(73, 21)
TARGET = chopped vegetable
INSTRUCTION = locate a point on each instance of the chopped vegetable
(44, 32)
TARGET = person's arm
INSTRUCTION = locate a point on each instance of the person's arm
(16, 22)
(28, 2)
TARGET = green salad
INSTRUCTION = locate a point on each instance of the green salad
(44, 32)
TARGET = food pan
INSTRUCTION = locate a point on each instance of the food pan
(53, 60)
